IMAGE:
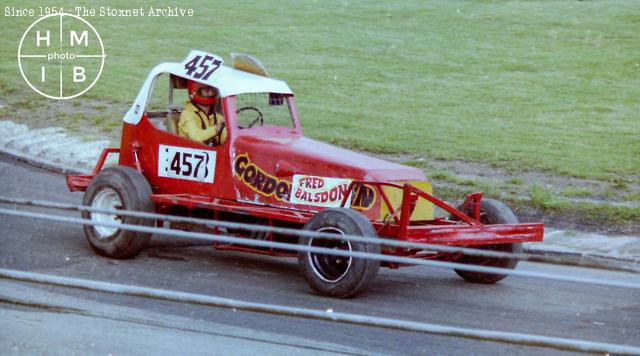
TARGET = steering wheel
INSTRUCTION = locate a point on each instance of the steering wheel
(260, 117)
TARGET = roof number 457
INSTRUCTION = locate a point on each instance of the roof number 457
(201, 67)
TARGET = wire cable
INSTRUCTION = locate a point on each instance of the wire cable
(348, 318)
(313, 249)
(557, 260)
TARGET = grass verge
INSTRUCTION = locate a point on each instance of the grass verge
(534, 86)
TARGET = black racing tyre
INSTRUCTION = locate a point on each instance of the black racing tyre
(118, 187)
(337, 276)
(492, 212)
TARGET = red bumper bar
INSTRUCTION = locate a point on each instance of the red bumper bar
(476, 235)
(80, 183)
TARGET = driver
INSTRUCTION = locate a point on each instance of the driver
(199, 120)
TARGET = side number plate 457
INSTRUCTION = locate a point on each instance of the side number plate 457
(186, 163)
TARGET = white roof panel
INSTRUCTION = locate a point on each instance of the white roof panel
(209, 69)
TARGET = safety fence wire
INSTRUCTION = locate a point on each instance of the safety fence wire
(322, 250)
(347, 318)
(557, 260)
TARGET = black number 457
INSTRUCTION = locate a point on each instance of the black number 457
(202, 66)
(188, 167)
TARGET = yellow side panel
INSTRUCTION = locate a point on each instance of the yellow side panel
(424, 209)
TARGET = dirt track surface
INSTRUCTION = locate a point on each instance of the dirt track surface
(420, 294)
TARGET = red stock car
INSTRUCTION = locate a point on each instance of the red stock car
(268, 173)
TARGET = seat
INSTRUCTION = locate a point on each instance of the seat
(171, 121)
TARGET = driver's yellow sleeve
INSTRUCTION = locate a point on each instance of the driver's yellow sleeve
(223, 134)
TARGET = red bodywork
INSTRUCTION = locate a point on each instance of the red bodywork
(253, 161)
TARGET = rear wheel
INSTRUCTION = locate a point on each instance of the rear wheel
(118, 187)
(338, 276)
(492, 212)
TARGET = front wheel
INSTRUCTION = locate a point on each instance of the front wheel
(338, 276)
(118, 188)
(492, 212)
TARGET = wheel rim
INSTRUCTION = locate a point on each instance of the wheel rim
(330, 268)
(106, 198)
